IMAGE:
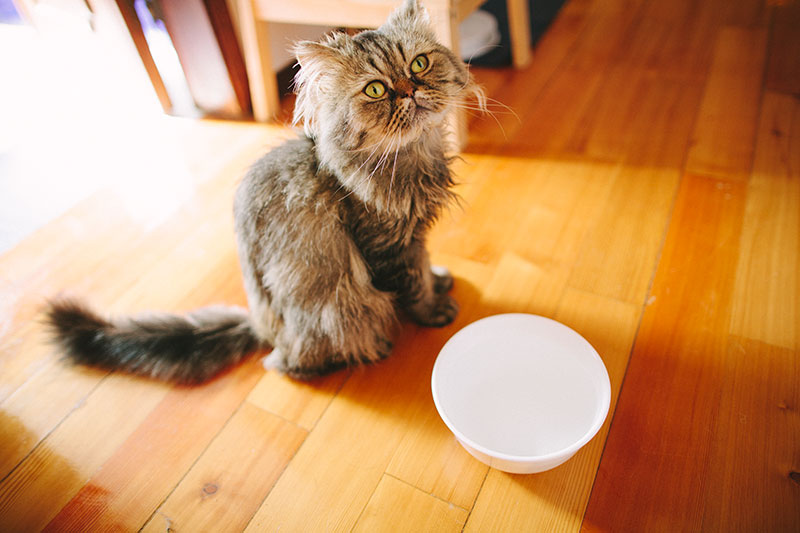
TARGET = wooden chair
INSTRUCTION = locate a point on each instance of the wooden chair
(446, 15)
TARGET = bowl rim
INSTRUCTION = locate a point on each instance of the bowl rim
(564, 452)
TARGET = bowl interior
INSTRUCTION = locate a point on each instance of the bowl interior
(521, 386)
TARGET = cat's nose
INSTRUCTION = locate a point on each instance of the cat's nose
(405, 89)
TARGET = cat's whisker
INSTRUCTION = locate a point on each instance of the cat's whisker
(492, 114)
(499, 125)
(377, 145)
(477, 92)
(473, 108)
(507, 110)
(492, 101)
(364, 149)
(388, 151)
(367, 178)
(394, 167)
(461, 103)
(380, 162)
(382, 159)
(356, 171)
(485, 108)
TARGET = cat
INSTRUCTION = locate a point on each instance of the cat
(330, 227)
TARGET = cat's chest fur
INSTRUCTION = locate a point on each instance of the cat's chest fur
(382, 239)
(384, 236)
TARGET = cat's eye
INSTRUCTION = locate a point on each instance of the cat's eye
(419, 64)
(375, 89)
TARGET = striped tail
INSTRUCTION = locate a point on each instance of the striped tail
(186, 350)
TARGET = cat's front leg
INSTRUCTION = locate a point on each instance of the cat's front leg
(426, 299)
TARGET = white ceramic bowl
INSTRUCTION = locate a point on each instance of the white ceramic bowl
(522, 393)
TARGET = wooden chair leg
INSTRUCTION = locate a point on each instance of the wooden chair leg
(519, 25)
(445, 25)
(258, 60)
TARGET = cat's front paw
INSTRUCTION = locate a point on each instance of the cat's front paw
(440, 314)
(442, 279)
(274, 361)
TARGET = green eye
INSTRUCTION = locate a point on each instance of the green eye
(375, 89)
(419, 64)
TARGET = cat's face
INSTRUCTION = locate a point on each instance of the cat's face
(379, 88)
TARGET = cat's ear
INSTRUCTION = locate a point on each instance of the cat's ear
(411, 8)
(411, 16)
(311, 54)
(319, 63)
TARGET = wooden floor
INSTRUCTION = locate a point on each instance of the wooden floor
(647, 195)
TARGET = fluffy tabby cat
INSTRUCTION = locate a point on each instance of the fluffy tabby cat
(330, 227)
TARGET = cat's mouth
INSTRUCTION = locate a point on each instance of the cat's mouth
(418, 114)
(414, 116)
(425, 104)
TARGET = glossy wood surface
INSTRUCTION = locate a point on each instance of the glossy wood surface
(645, 193)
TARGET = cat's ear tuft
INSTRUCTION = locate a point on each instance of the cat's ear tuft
(311, 53)
(411, 8)
(411, 16)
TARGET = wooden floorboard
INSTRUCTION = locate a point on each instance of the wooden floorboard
(131, 484)
(766, 307)
(235, 473)
(668, 406)
(724, 136)
(783, 69)
(644, 191)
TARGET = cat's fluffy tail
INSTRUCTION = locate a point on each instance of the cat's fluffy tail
(185, 350)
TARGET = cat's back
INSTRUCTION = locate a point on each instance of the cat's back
(284, 170)
(286, 179)
(286, 197)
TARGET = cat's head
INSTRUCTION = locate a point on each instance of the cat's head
(379, 87)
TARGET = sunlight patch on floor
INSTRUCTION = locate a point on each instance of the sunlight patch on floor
(68, 117)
